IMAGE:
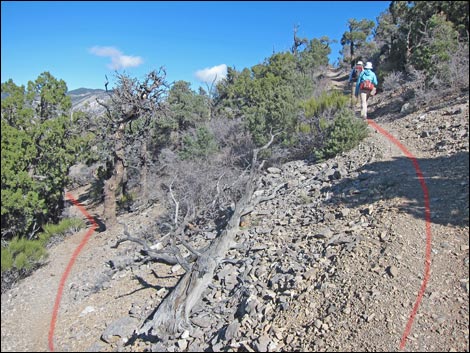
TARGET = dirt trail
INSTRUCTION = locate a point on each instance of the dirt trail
(433, 304)
(338, 79)
(441, 323)
(27, 308)
(27, 312)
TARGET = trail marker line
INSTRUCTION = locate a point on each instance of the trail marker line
(427, 213)
(77, 251)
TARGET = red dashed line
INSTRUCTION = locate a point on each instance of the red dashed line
(427, 212)
(69, 268)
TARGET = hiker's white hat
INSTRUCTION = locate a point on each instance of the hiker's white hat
(360, 62)
(368, 65)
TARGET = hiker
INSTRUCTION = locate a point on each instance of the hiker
(366, 87)
(353, 76)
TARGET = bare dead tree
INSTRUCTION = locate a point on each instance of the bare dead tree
(130, 101)
(172, 315)
(211, 95)
(232, 197)
(297, 41)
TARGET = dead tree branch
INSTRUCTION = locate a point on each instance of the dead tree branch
(172, 315)
(152, 255)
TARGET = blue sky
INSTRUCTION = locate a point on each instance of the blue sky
(82, 41)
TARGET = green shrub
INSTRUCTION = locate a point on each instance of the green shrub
(7, 259)
(305, 128)
(343, 134)
(22, 253)
(126, 200)
(62, 228)
(327, 101)
(73, 224)
(38, 146)
(199, 146)
(440, 44)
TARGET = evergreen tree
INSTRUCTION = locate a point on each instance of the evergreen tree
(421, 34)
(38, 148)
(356, 38)
(186, 106)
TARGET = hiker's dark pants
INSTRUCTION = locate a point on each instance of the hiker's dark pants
(354, 100)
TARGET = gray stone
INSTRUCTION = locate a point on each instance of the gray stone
(203, 321)
(425, 134)
(185, 334)
(176, 268)
(310, 273)
(345, 212)
(182, 344)
(273, 170)
(210, 235)
(261, 344)
(121, 262)
(392, 271)
(87, 310)
(232, 330)
(261, 230)
(323, 233)
(329, 217)
(231, 281)
(406, 108)
(123, 328)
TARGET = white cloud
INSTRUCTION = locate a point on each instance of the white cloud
(118, 59)
(209, 74)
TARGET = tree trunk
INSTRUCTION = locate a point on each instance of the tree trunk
(110, 188)
(172, 316)
(112, 184)
(144, 173)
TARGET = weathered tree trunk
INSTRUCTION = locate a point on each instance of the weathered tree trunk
(144, 172)
(110, 188)
(112, 185)
(172, 316)
(351, 50)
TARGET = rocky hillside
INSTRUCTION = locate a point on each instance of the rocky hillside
(335, 262)
(85, 99)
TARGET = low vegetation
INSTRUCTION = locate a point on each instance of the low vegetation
(21, 255)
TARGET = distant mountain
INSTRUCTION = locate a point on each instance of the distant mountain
(80, 94)
(82, 90)
(85, 99)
